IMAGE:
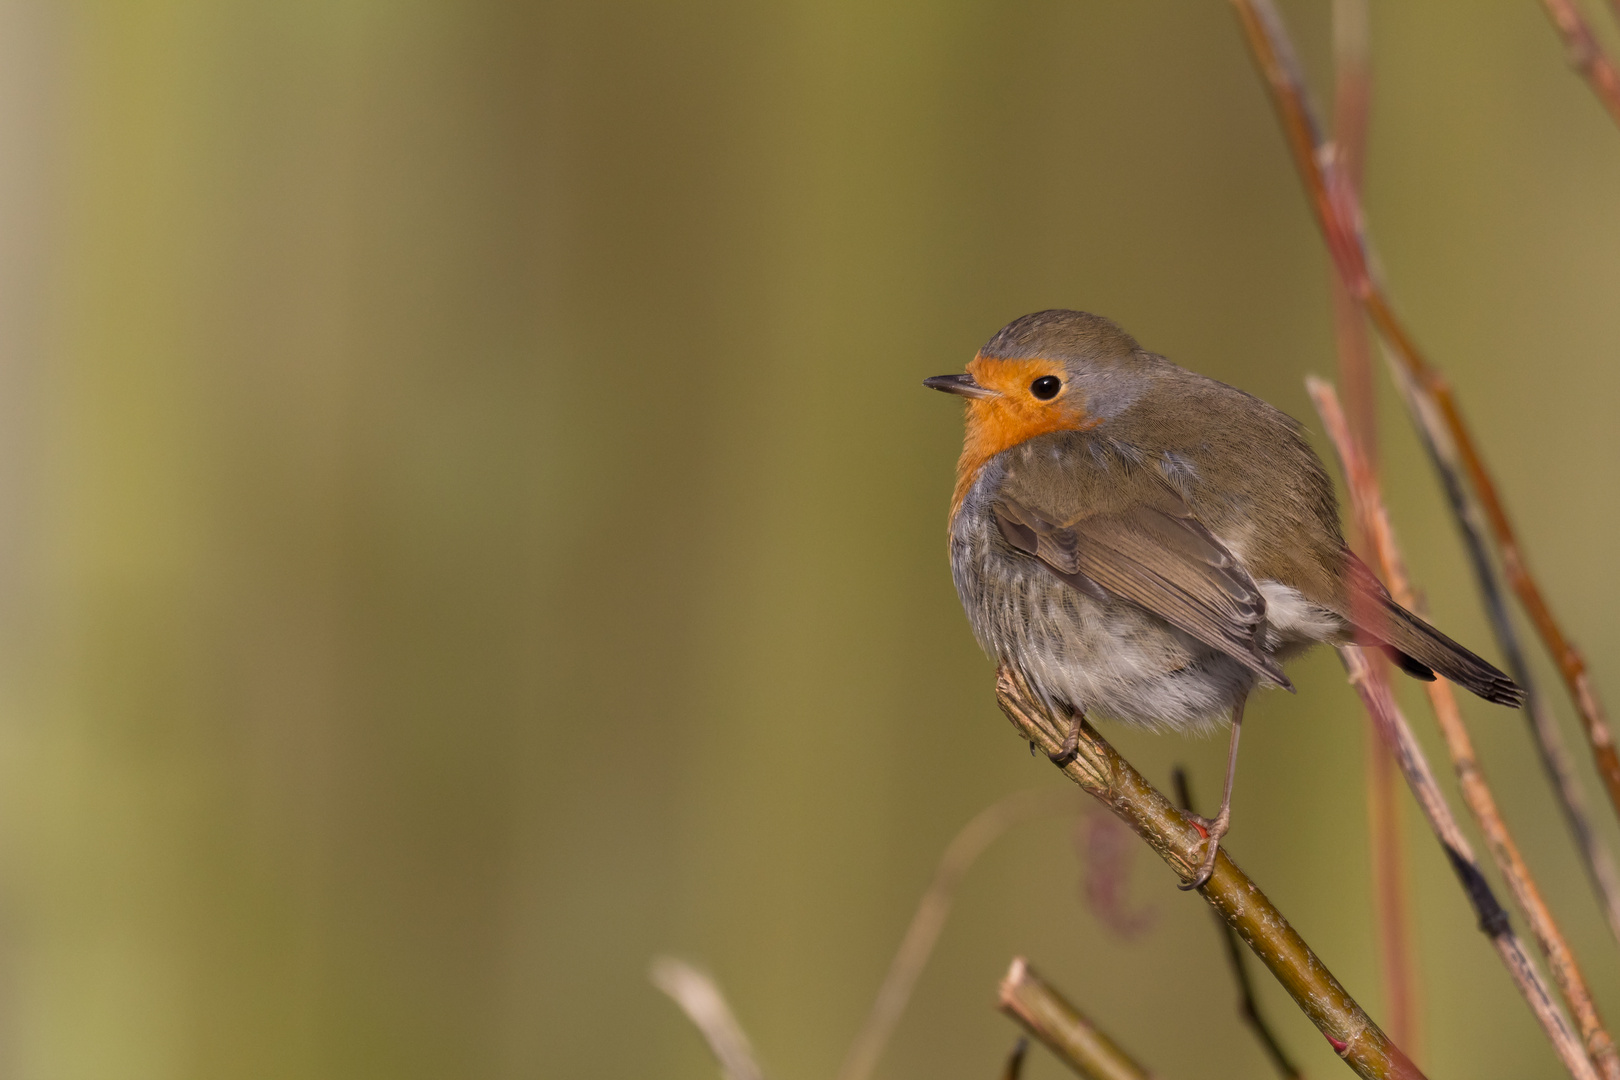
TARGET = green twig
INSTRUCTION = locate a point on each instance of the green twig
(1027, 998)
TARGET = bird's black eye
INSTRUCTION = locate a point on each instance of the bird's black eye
(1046, 387)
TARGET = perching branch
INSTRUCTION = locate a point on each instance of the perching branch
(1549, 741)
(1339, 214)
(700, 999)
(1027, 998)
(1368, 506)
(1585, 54)
(1248, 1004)
(915, 948)
(1099, 769)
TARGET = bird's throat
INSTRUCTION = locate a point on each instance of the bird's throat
(997, 424)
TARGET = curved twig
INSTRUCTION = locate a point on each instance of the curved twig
(1099, 769)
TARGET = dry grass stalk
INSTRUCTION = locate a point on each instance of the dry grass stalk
(700, 999)
(1100, 770)
(1585, 54)
(1370, 514)
(1339, 215)
(918, 943)
(1043, 1012)
(1549, 741)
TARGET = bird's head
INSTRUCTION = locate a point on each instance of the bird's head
(1050, 371)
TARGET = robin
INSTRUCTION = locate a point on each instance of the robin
(1148, 544)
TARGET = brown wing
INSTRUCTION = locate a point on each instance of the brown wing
(1160, 558)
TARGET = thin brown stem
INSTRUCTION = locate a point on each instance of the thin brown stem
(1248, 1004)
(1549, 741)
(1014, 1069)
(918, 944)
(1352, 97)
(1368, 506)
(1493, 920)
(1391, 890)
(700, 999)
(1043, 1012)
(1339, 215)
(1099, 769)
(1585, 54)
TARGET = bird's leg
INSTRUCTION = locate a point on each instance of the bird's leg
(1216, 828)
(1071, 742)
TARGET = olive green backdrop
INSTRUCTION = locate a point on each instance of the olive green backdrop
(469, 518)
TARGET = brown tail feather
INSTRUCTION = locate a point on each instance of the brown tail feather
(1423, 645)
(1418, 648)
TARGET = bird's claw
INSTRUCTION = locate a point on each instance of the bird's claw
(1213, 830)
(1070, 749)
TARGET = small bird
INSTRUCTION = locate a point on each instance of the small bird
(1145, 543)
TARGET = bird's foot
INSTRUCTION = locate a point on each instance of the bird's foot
(1213, 829)
(1070, 749)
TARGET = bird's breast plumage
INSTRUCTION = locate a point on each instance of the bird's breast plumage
(1089, 650)
(1107, 656)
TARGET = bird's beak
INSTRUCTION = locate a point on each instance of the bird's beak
(960, 384)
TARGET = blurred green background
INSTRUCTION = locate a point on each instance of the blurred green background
(469, 518)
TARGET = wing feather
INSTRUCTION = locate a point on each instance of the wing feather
(1161, 558)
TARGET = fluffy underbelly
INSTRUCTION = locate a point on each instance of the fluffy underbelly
(1109, 658)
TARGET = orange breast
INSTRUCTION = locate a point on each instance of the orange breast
(999, 423)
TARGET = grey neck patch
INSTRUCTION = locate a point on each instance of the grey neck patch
(1109, 392)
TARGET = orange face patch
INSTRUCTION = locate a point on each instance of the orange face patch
(1016, 415)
